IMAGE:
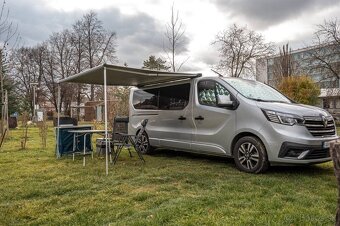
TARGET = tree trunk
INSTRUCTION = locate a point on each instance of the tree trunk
(92, 93)
(335, 153)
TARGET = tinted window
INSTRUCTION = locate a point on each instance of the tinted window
(174, 97)
(146, 99)
(208, 92)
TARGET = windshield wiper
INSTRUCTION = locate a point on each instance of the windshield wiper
(261, 100)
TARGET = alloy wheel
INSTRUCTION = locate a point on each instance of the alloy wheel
(143, 143)
(248, 155)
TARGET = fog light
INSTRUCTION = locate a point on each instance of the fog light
(303, 154)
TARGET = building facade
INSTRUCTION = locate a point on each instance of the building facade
(306, 62)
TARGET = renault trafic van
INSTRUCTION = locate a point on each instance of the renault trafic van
(243, 119)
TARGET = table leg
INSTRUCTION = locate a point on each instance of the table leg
(84, 149)
(91, 145)
(74, 146)
(110, 152)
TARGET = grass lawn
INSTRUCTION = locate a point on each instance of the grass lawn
(172, 188)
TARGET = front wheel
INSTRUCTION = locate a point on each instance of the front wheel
(144, 144)
(250, 155)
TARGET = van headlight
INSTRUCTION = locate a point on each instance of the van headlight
(283, 118)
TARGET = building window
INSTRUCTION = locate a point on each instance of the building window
(325, 103)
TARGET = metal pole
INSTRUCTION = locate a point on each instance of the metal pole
(58, 120)
(105, 116)
(34, 84)
(5, 117)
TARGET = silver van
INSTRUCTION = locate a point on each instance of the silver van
(243, 119)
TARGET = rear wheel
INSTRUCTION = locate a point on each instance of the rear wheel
(250, 155)
(144, 144)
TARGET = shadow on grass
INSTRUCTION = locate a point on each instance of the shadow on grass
(318, 169)
(302, 169)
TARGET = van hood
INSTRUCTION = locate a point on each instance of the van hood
(291, 108)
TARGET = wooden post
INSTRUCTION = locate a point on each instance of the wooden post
(335, 154)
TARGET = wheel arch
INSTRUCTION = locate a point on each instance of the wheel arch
(244, 134)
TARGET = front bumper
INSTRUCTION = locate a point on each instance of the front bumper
(295, 145)
(291, 150)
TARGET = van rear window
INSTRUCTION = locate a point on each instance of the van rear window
(146, 99)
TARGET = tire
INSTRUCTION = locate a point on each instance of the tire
(144, 144)
(250, 155)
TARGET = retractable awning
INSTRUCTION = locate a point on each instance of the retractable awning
(111, 75)
(124, 76)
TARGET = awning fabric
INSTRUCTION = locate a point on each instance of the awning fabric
(125, 76)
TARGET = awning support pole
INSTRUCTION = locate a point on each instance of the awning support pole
(105, 116)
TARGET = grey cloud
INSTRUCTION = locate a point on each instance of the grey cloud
(37, 23)
(138, 35)
(208, 58)
(188, 67)
(263, 13)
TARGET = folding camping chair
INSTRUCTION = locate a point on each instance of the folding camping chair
(130, 139)
(120, 126)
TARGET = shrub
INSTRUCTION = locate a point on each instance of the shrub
(301, 89)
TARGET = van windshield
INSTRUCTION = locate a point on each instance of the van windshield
(256, 90)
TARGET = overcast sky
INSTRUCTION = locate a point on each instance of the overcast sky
(140, 24)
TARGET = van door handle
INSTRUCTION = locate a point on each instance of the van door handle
(199, 118)
(182, 118)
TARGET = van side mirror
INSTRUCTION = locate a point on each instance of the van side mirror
(224, 101)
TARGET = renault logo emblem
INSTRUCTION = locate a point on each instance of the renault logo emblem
(324, 121)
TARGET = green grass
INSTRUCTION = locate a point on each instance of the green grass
(172, 188)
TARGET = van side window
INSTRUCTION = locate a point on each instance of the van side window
(174, 97)
(146, 99)
(209, 90)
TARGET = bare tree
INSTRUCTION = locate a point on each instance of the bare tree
(65, 53)
(27, 68)
(175, 40)
(60, 65)
(324, 57)
(77, 38)
(239, 47)
(284, 65)
(8, 32)
(99, 44)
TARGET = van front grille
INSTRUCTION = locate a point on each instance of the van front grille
(320, 126)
